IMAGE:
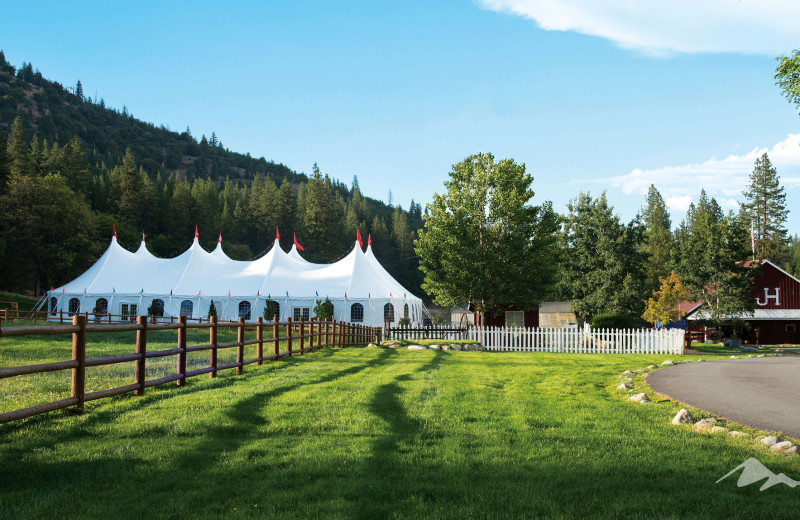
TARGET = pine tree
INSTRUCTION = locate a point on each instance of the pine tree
(603, 263)
(322, 215)
(765, 206)
(18, 151)
(658, 240)
(79, 91)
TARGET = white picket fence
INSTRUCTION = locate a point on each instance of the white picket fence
(583, 341)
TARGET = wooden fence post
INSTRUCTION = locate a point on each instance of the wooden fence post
(289, 335)
(302, 328)
(212, 352)
(61, 319)
(276, 343)
(260, 338)
(141, 349)
(240, 348)
(182, 354)
(330, 341)
(78, 386)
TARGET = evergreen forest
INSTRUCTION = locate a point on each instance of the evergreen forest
(72, 168)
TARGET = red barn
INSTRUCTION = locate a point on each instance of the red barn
(776, 319)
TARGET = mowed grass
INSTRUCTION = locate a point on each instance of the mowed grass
(380, 433)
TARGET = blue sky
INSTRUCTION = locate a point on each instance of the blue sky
(590, 97)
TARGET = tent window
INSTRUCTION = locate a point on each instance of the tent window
(74, 305)
(244, 310)
(128, 311)
(388, 313)
(405, 310)
(187, 307)
(101, 306)
(356, 313)
(158, 307)
(303, 312)
(53, 304)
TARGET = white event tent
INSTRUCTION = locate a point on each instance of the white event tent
(126, 283)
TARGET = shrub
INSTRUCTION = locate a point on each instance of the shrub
(616, 321)
(323, 310)
(212, 310)
(270, 310)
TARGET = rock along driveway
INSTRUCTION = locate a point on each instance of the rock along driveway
(763, 393)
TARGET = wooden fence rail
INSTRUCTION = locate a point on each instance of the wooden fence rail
(319, 334)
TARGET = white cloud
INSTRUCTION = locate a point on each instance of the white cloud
(724, 179)
(746, 26)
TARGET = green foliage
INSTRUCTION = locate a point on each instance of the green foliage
(323, 310)
(270, 309)
(47, 226)
(484, 242)
(658, 243)
(615, 321)
(787, 75)
(603, 260)
(212, 310)
(405, 321)
(712, 250)
(157, 309)
(765, 209)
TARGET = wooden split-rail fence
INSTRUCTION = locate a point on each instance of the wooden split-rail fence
(299, 337)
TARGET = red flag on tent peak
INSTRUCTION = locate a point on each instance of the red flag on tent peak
(115, 229)
(52, 288)
(369, 295)
(295, 242)
(220, 237)
(229, 293)
(390, 295)
(404, 295)
(345, 294)
(277, 233)
(369, 239)
(198, 292)
(196, 232)
(358, 236)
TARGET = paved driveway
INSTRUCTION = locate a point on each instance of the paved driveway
(763, 393)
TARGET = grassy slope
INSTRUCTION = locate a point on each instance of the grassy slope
(375, 433)
(25, 303)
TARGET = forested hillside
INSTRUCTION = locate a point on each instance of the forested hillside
(71, 168)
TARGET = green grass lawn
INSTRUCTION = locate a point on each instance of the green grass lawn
(718, 348)
(380, 433)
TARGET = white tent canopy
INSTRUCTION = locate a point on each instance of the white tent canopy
(121, 282)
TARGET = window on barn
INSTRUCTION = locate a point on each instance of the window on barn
(303, 312)
(388, 313)
(405, 310)
(101, 306)
(790, 327)
(74, 306)
(158, 307)
(53, 304)
(187, 308)
(356, 313)
(244, 310)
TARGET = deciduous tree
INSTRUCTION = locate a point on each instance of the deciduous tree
(484, 241)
